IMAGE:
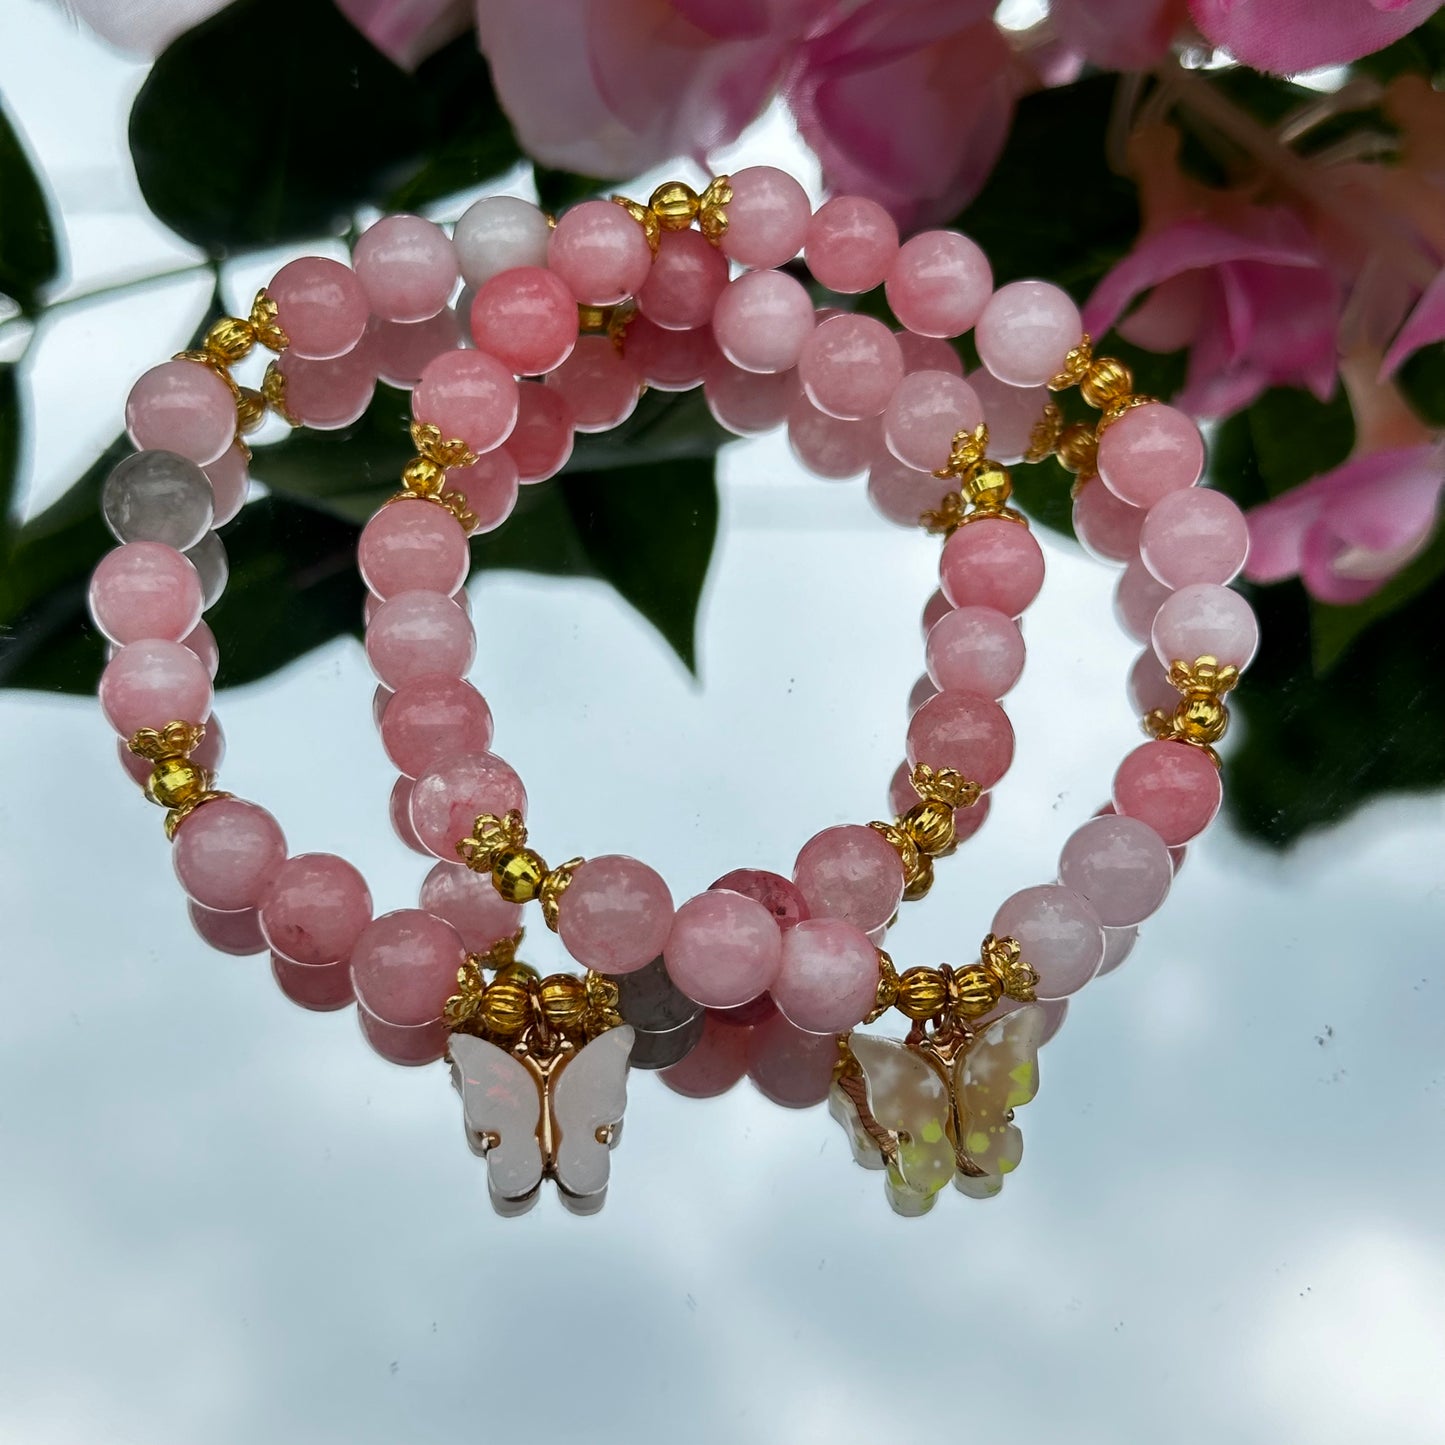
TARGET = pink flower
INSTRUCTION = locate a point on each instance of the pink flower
(1287, 36)
(408, 30)
(1118, 34)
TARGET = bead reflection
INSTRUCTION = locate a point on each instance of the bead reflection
(409, 1045)
(234, 933)
(322, 988)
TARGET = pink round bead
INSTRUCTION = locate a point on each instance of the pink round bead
(1171, 786)
(828, 981)
(1057, 932)
(145, 589)
(903, 493)
(527, 319)
(850, 244)
(230, 481)
(541, 441)
(850, 872)
(404, 967)
(1138, 596)
(992, 563)
(416, 633)
(723, 949)
(1149, 685)
(767, 218)
(238, 933)
(777, 894)
(321, 305)
(410, 1047)
(926, 410)
(407, 268)
(789, 1066)
(616, 914)
(470, 903)
(226, 853)
(976, 649)
(315, 908)
(939, 283)
(413, 546)
(398, 809)
(934, 611)
(828, 446)
(748, 403)
(929, 353)
(1107, 527)
(469, 396)
(761, 321)
(965, 732)
(600, 252)
(1205, 621)
(1120, 866)
(688, 275)
(922, 690)
(400, 350)
(202, 641)
(670, 360)
(322, 988)
(600, 386)
(1012, 413)
(1194, 536)
(446, 802)
(1118, 945)
(717, 1061)
(152, 682)
(1025, 332)
(182, 407)
(327, 395)
(850, 366)
(489, 486)
(432, 718)
(1149, 452)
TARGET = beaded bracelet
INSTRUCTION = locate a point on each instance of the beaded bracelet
(611, 298)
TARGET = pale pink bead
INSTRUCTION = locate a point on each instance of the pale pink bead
(152, 682)
(927, 409)
(432, 718)
(322, 988)
(1025, 332)
(315, 908)
(761, 321)
(1206, 621)
(850, 243)
(850, 872)
(399, 811)
(202, 641)
(789, 1066)
(1149, 452)
(928, 353)
(1118, 945)
(723, 949)
(321, 305)
(498, 233)
(935, 610)
(1194, 536)
(830, 447)
(992, 563)
(717, 1061)
(526, 318)
(447, 801)
(145, 589)
(541, 441)
(410, 1047)
(400, 350)
(404, 966)
(1120, 865)
(600, 252)
(670, 360)
(1171, 786)
(469, 396)
(828, 981)
(903, 493)
(238, 933)
(1011, 412)
(328, 395)
(601, 386)
(1057, 932)
(412, 546)
(688, 275)
(415, 633)
(850, 366)
(470, 903)
(616, 913)
(748, 403)
(230, 481)
(406, 266)
(922, 690)
(182, 407)
(939, 283)
(777, 894)
(976, 649)
(226, 853)
(1138, 595)
(767, 217)
(489, 486)
(959, 730)
(1107, 527)
(380, 698)
(1149, 685)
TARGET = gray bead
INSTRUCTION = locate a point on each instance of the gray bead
(208, 557)
(648, 999)
(158, 497)
(665, 1047)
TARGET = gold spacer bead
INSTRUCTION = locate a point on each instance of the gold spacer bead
(887, 993)
(517, 873)
(1119, 406)
(712, 216)
(1045, 432)
(976, 989)
(1201, 718)
(1076, 364)
(906, 848)
(250, 409)
(1078, 449)
(675, 204)
(273, 388)
(922, 994)
(175, 782)
(507, 1005)
(919, 879)
(644, 218)
(554, 885)
(264, 325)
(230, 339)
(1204, 674)
(423, 476)
(931, 825)
(593, 318)
(175, 740)
(564, 1000)
(1106, 381)
(987, 484)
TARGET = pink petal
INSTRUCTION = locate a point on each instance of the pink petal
(1170, 315)
(1277, 532)
(407, 31)
(1392, 505)
(142, 27)
(1287, 36)
(1426, 323)
(1118, 34)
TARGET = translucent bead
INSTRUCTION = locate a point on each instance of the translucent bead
(526, 318)
(150, 683)
(238, 933)
(1138, 596)
(1206, 621)
(1107, 527)
(406, 266)
(928, 353)
(322, 988)
(413, 546)
(850, 366)
(850, 243)
(144, 590)
(616, 914)
(315, 908)
(226, 853)
(1194, 536)
(404, 967)
(400, 350)
(828, 446)
(761, 321)
(1120, 865)
(499, 233)
(1118, 945)
(468, 396)
(828, 980)
(1148, 452)
(320, 305)
(446, 802)
(1149, 685)
(903, 493)
(208, 557)
(939, 283)
(489, 486)
(408, 1046)
(157, 497)
(767, 217)
(722, 949)
(1025, 332)
(992, 562)
(1012, 412)
(432, 718)
(1171, 786)
(976, 649)
(687, 277)
(1057, 932)
(541, 441)
(398, 809)
(202, 641)
(927, 409)
(600, 385)
(969, 734)
(850, 872)
(230, 482)
(717, 1062)
(777, 894)
(329, 395)
(600, 252)
(670, 360)
(748, 403)
(470, 903)
(182, 407)
(788, 1065)
(934, 611)
(415, 633)
(921, 692)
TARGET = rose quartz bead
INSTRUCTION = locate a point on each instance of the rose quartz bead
(976, 649)
(850, 872)
(939, 283)
(399, 811)
(761, 321)
(525, 318)
(412, 546)
(1171, 786)
(410, 1047)
(489, 486)
(717, 1061)
(416, 633)
(321, 305)
(1118, 945)
(1057, 932)
(1138, 596)
(470, 903)
(687, 277)
(903, 493)
(1107, 527)
(1012, 413)
(1149, 685)
(828, 981)
(670, 360)
(934, 611)
(226, 853)
(202, 641)
(850, 244)
(615, 914)
(315, 908)
(152, 682)
(230, 481)
(1025, 332)
(541, 441)
(1149, 452)
(767, 217)
(600, 386)
(992, 563)
(238, 933)
(723, 949)
(380, 697)
(1194, 536)
(182, 407)
(145, 589)
(446, 802)
(929, 353)
(327, 395)
(600, 252)
(777, 894)
(1120, 865)
(322, 988)
(431, 718)
(924, 413)
(962, 731)
(849, 366)
(469, 396)
(404, 967)
(745, 1016)
(499, 233)
(748, 403)
(400, 350)
(922, 690)
(406, 266)
(789, 1066)
(1206, 621)
(828, 446)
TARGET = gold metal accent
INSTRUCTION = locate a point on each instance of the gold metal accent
(619, 318)
(1078, 449)
(930, 823)
(264, 325)
(517, 874)
(919, 879)
(712, 216)
(491, 835)
(446, 452)
(1076, 365)
(1044, 435)
(563, 997)
(423, 476)
(593, 318)
(922, 993)
(888, 983)
(174, 740)
(966, 450)
(273, 388)
(945, 785)
(250, 408)
(675, 204)
(1201, 718)
(987, 486)
(1106, 381)
(230, 339)
(946, 518)
(178, 815)
(644, 218)
(1005, 958)
(553, 886)
(849, 1078)
(1116, 409)
(176, 782)
(906, 848)
(1204, 674)
(974, 990)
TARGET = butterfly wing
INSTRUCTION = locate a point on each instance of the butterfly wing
(501, 1107)
(588, 1098)
(998, 1074)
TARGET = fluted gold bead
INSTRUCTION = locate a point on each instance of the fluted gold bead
(976, 989)
(1106, 381)
(1078, 449)
(273, 388)
(922, 993)
(675, 204)
(230, 339)
(918, 879)
(987, 484)
(250, 409)
(1201, 719)
(517, 874)
(423, 476)
(564, 999)
(507, 1006)
(175, 782)
(931, 826)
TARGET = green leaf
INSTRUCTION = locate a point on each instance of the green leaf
(1296, 436)
(1044, 492)
(556, 190)
(10, 440)
(29, 253)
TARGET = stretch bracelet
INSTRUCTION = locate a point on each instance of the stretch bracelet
(568, 322)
